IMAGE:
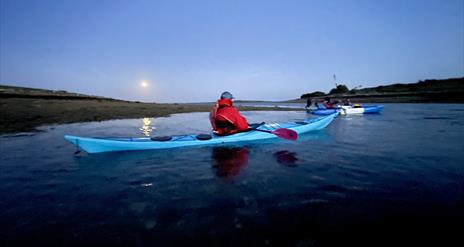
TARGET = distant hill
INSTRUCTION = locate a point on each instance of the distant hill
(445, 90)
(427, 86)
(25, 92)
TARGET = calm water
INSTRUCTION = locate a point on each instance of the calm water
(392, 178)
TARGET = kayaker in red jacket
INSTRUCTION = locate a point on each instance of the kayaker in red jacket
(225, 118)
(327, 104)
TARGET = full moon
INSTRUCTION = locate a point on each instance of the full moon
(144, 84)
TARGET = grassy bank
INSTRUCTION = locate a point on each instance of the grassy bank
(21, 114)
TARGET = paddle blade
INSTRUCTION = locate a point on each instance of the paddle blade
(287, 134)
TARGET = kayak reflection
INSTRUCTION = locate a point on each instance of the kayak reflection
(229, 160)
(286, 158)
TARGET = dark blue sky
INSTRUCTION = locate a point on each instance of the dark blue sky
(193, 50)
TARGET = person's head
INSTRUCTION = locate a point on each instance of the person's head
(327, 99)
(226, 95)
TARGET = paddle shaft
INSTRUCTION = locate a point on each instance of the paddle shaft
(257, 126)
(267, 131)
(281, 133)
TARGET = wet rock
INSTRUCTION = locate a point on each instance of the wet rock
(237, 223)
(150, 224)
(307, 243)
(137, 207)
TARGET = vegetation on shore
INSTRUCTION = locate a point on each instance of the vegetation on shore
(24, 109)
(428, 91)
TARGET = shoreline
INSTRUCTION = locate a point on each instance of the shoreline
(24, 109)
(420, 98)
(25, 114)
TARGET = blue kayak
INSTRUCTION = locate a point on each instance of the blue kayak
(324, 112)
(372, 109)
(348, 110)
(98, 145)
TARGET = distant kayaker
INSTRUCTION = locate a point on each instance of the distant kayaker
(308, 103)
(327, 104)
(225, 118)
(347, 102)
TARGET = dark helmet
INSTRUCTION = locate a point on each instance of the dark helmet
(226, 95)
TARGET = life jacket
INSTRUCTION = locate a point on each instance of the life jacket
(225, 119)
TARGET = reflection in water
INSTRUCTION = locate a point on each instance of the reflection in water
(286, 158)
(229, 161)
(146, 128)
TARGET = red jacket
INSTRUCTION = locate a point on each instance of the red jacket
(328, 105)
(226, 119)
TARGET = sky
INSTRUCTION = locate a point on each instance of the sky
(192, 51)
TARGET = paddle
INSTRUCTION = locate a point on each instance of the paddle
(286, 134)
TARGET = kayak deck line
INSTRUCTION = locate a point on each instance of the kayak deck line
(191, 137)
(102, 144)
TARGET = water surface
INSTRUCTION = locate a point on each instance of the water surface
(391, 178)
